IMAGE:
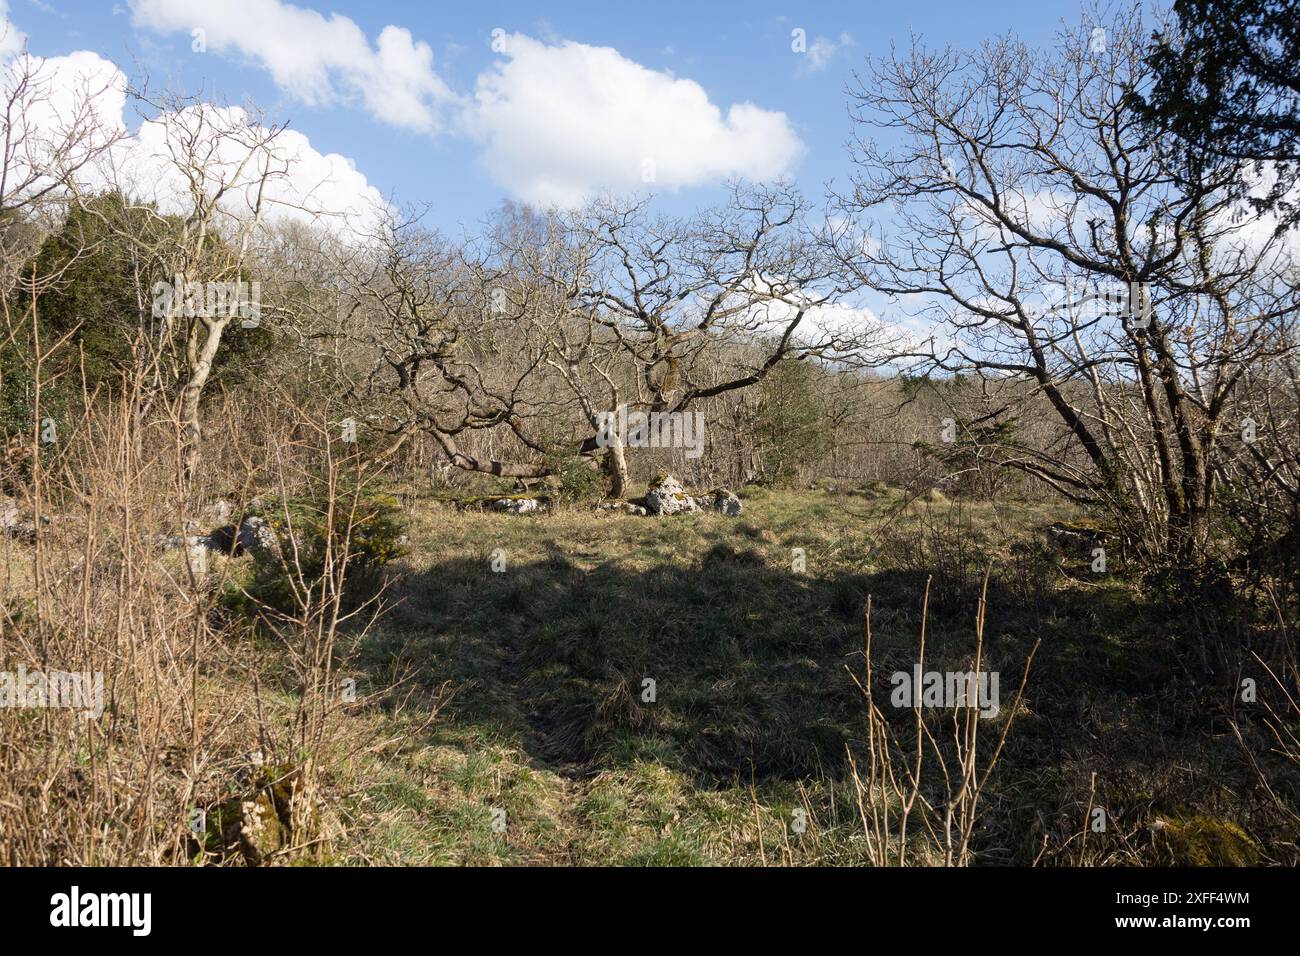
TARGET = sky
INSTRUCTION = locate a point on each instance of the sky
(461, 105)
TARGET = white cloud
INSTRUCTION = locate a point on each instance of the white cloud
(843, 322)
(559, 121)
(563, 122)
(11, 38)
(835, 326)
(80, 86)
(843, 331)
(64, 111)
(85, 92)
(823, 50)
(317, 60)
(314, 185)
(1253, 233)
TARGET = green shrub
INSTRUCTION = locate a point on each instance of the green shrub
(575, 479)
(792, 428)
(369, 528)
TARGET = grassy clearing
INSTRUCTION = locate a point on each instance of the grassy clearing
(548, 752)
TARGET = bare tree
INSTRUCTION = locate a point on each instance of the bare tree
(217, 169)
(555, 328)
(1013, 195)
(431, 348)
(49, 136)
(671, 294)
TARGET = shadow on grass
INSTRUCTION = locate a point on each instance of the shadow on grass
(730, 666)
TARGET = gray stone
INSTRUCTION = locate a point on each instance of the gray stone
(259, 539)
(1072, 537)
(666, 496)
(219, 512)
(723, 502)
(518, 506)
(170, 542)
(626, 507)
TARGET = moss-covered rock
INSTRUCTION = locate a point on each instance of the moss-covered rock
(522, 503)
(668, 497)
(244, 825)
(294, 539)
(1076, 535)
(260, 822)
(1199, 840)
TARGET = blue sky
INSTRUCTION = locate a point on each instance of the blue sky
(737, 53)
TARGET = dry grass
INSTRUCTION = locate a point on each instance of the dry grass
(757, 710)
(759, 747)
(200, 708)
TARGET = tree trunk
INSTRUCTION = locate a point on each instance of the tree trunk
(199, 361)
(489, 466)
(616, 468)
(1189, 532)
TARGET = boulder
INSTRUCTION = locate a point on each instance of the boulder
(518, 505)
(248, 826)
(1076, 535)
(218, 512)
(24, 531)
(627, 507)
(259, 823)
(666, 496)
(260, 832)
(722, 501)
(259, 539)
(14, 525)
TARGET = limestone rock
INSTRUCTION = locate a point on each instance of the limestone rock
(259, 539)
(626, 507)
(666, 496)
(722, 501)
(1075, 536)
(258, 823)
(518, 505)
